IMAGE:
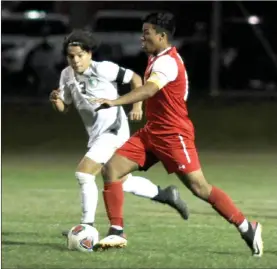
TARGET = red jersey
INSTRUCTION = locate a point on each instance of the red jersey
(166, 111)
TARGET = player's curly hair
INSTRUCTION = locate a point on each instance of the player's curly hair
(82, 38)
(162, 21)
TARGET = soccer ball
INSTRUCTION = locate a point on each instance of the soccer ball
(82, 237)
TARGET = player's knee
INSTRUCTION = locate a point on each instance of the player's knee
(109, 173)
(201, 189)
(84, 178)
(199, 185)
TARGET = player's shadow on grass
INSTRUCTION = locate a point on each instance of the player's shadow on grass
(214, 213)
(202, 248)
(271, 252)
(58, 246)
(19, 233)
(237, 253)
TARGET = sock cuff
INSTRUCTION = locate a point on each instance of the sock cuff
(84, 177)
(112, 184)
(213, 195)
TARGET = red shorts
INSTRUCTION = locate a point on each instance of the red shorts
(176, 154)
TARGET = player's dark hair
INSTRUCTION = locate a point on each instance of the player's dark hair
(82, 38)
(162, 21)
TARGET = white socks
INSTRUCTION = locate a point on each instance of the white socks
(117, 227)
(89, 196)
(243, 228)
(140, 186)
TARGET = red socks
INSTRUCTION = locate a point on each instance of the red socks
(223, 204)
(114, 199)
(220, 201)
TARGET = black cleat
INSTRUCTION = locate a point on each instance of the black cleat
(253, 238)
(113, 231)
(171, 197)
(65, 233)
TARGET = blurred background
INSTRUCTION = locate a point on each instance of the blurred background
(229, 49)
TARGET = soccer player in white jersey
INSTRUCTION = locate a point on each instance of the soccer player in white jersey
(108, 129)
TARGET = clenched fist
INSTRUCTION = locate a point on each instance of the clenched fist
(136, 114)
(54, 95)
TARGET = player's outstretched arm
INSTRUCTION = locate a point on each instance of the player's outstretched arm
(139, 94)
(163, 71)
(136, 81)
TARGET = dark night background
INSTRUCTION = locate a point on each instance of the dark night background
(243, 91)
(252, 69)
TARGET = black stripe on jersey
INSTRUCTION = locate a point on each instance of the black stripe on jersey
(120, 75)
(117, 123)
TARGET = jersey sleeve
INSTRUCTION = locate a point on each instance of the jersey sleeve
(164, 70)
(114, 73)
(65, 94)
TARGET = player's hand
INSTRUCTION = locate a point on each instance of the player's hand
(136, 114)
(54, 95)
(104, 103)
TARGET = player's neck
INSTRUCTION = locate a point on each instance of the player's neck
(84, 73)
(163, 49)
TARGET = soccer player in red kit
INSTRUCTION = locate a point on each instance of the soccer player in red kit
(168, 136)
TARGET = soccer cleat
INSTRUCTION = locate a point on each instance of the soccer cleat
(253, 238)
(114, 239)
(65, 233)
(171, 197)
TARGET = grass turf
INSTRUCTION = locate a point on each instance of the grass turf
(40, 199)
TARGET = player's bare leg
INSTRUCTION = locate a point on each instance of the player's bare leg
(251, 232)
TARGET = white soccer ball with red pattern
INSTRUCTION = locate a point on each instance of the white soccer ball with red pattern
(82, 237)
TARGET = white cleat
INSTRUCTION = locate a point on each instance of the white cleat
(258, 245)
(111, 241)
(253, 238)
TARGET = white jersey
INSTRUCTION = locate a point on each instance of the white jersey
(98, 81)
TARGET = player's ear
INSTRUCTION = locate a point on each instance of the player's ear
(163, 35)
(160, 36)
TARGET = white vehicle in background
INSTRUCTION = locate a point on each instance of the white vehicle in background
(21, 32)
(120, 30)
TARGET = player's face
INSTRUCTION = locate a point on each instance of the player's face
(78, 59)
(150, 39)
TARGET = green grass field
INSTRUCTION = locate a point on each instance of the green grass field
(40, 198)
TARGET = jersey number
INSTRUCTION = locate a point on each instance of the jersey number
(83, 87)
